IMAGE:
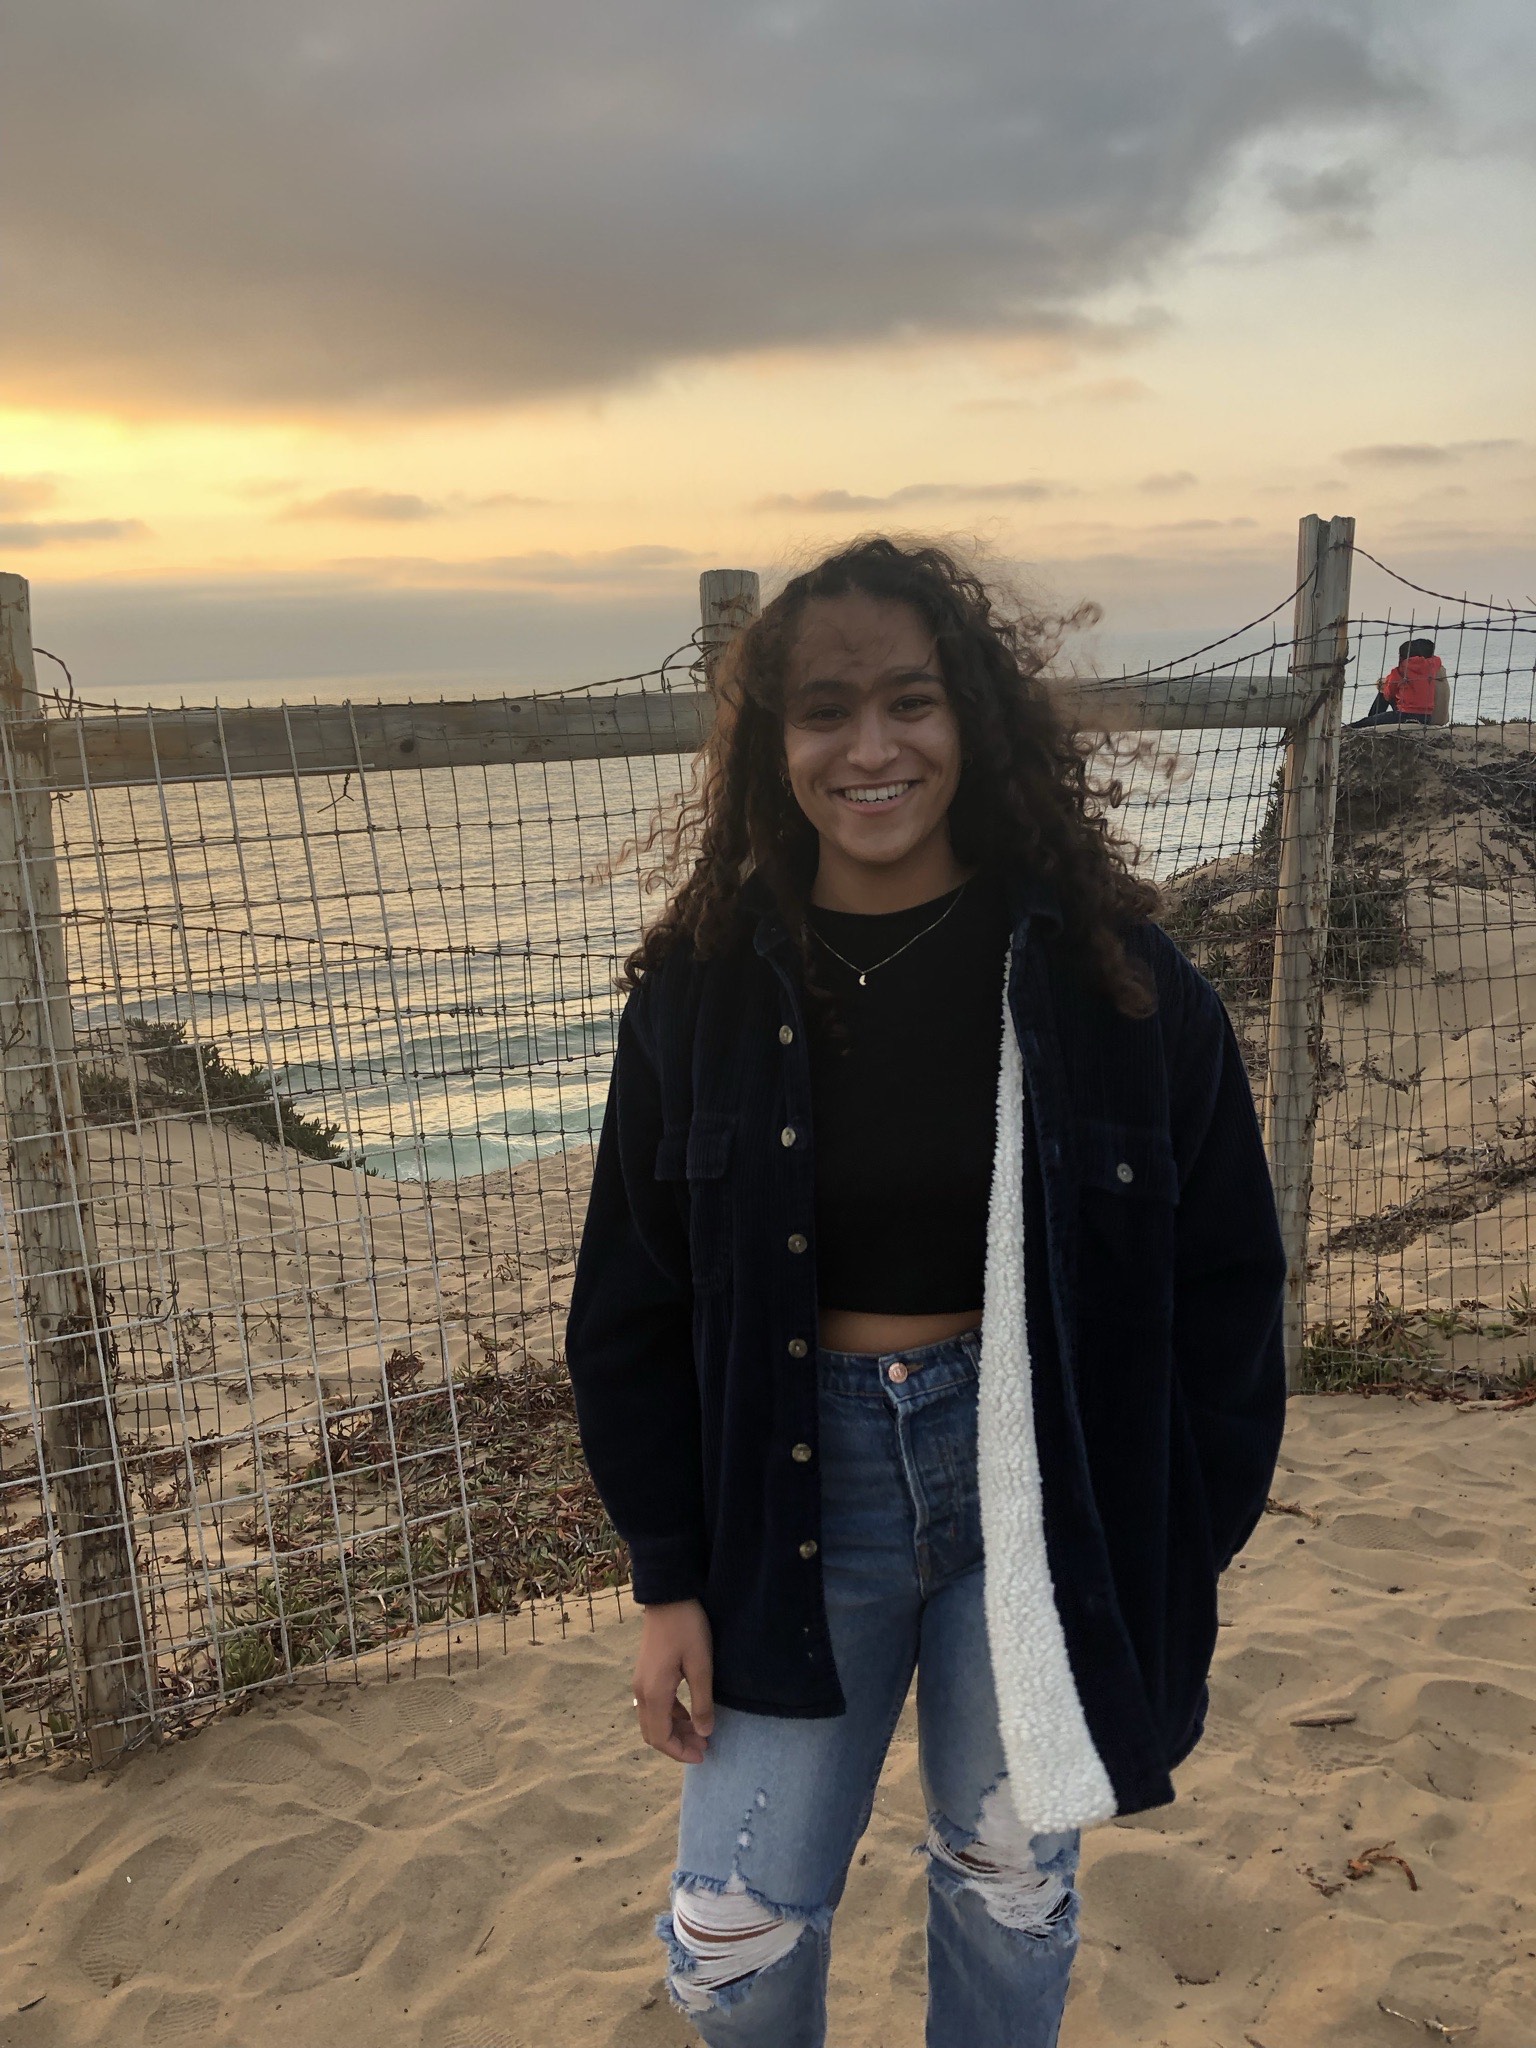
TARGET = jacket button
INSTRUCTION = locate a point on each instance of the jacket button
(1125, 1173)
(787, 1135)
(786, 1035)
(801, 1454)
(798, 1347)
(809, 1547)
(896, 1372)
(797, 1241)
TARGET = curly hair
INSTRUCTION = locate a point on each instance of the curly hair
(1025, 798)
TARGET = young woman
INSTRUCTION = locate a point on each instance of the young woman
(927, 1311)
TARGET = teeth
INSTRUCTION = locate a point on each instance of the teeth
(877, 796)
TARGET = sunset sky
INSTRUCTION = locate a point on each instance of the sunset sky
(438, 344)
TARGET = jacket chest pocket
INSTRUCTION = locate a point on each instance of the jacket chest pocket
(699, 1155)
(1130, 1191)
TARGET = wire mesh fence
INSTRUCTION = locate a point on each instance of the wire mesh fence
(332, 1059)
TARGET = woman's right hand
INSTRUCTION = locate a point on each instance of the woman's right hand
(675, 1644)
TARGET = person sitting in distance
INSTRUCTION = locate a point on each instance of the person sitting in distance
(1407, 692)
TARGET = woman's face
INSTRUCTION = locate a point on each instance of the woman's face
(871, 741)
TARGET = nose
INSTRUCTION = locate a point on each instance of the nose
(872, 744)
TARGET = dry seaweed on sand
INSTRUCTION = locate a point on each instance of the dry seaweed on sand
(1392, 1351)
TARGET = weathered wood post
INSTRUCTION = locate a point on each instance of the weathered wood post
(728, 600)
(1310, 792)
(65, 1291)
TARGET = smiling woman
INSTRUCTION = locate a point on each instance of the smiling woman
(930, 1227)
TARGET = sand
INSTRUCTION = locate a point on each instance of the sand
(474, 1860)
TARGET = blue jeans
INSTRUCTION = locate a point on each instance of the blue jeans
(771, 1817)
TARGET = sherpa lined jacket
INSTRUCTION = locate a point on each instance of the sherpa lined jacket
(1132, 1385)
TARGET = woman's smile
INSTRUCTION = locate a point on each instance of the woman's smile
(878, 796)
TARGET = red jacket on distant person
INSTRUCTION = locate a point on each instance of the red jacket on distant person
(1411, 685)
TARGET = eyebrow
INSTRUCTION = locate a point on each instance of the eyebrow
(891, 676)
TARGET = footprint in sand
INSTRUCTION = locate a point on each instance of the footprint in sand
(1424, 1534)
(289, 1756)
(129, 1909)
(448, 1737)
(1435, 1985)
(1338, 1749)
(257, 1895)
(181, 2016)
(1507, 1635)
(336, 1942)
(1478, 1709)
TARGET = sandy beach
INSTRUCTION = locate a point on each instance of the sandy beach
(474, 1860)
(472, 1857)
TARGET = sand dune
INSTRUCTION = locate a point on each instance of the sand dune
(473, 1860)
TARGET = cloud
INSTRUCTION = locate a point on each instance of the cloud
(1421, 454)
(385, 506)
(1334, 203)
(495, 501)
(26, 493)
(1163, 481)
(42, 533)
(328, 204)
(1028, 492)
(537, 568)
(1110, 391)
(390, 508)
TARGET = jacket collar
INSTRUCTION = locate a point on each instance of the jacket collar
(1030, 897)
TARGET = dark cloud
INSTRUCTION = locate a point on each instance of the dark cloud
(329, 202)
(1162, 481)
(43, 533)
(385, 506)
(1335, 202)
(1028, 492)
(1421, 454)
(26, 493)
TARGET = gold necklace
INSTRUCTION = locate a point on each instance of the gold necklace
(865, 972)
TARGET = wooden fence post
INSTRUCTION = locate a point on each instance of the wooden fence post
(65, 1291)
(728, 600)
(1310, 792)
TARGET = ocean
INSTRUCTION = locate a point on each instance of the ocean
(427, 960)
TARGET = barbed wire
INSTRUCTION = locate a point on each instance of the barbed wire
(1490, 604)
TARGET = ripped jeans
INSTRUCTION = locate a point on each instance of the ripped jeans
(771, 1817)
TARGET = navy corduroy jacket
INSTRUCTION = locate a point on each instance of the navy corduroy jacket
(1155, 1276)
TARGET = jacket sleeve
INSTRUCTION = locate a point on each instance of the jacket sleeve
(629, 1345)
(1229, 1279)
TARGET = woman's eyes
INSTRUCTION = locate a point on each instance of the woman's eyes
(911, 704)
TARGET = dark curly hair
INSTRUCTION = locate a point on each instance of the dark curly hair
(1024, 798)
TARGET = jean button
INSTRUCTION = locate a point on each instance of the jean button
(798, 1242)
(801, 1454)
(786, 1035)
(896, 1372)
(798, 1347)
(809, 1547)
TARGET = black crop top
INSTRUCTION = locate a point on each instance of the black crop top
(904, 1104)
